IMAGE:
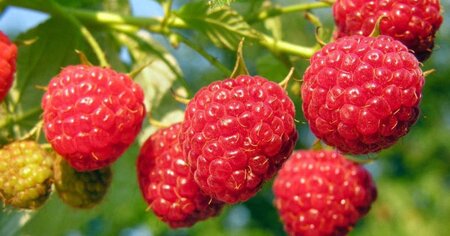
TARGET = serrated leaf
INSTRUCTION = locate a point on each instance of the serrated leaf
(223, 26)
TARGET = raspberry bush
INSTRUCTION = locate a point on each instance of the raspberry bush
(224, 117)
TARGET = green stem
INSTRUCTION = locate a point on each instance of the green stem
(276, 11)
(17, 119)
(319, 28)
(107, 18)
(279, 46)
(95, 46)
(57, 10)
(88, 36)
(154, 25)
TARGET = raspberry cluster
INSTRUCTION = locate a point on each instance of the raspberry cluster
(92, 115)
(236, 134)
(8, 54)
(361, 94)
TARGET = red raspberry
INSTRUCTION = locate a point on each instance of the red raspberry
(237, 133)
(167, 184)
(92, 115)
(414, 23)
(322, 193)
(361, 94)
(8, 54)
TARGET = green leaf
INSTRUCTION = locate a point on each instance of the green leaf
(91, 4)
(52, 46)
(11, 221)
(223, 26)
(157, 79)
(111, 47)
(219, 3)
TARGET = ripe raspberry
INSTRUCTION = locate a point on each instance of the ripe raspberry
(361, 94)
(414, 23)
(167, 184)
(25, 174)
(8, 54)
(80, 189)
(92, 115)
(237, 133)
(322, 193)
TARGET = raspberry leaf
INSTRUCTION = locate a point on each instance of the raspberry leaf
(34, 67)
(219, 3)
(223, 26)
(160, 75)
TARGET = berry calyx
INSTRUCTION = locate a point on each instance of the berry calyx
(322, 193)
(167, 184)
(237, 133)
(361, 94)
(92, 115)
(25, 174)
(8, 54)
(414, 23)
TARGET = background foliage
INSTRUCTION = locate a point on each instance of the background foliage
(413, 177)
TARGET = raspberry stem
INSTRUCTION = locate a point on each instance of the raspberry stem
(276, 11)
(10, 120)
(286, 80)
(101, 18)
(240, 68)
(36, 130)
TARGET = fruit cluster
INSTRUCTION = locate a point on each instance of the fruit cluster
(360, 95)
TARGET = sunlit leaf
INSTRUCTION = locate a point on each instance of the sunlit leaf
(223, 26)
(219, 3)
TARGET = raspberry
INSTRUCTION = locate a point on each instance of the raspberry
(322, 193)
(92, 115)
(237, 133)
(80, 189)
(25, 174)
(361, 94)
(414, 23)
(167, 184)
(8, 54)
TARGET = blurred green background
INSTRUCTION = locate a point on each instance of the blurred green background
(413, 177)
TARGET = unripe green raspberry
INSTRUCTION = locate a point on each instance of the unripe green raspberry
(80, 189)
(25, 174)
